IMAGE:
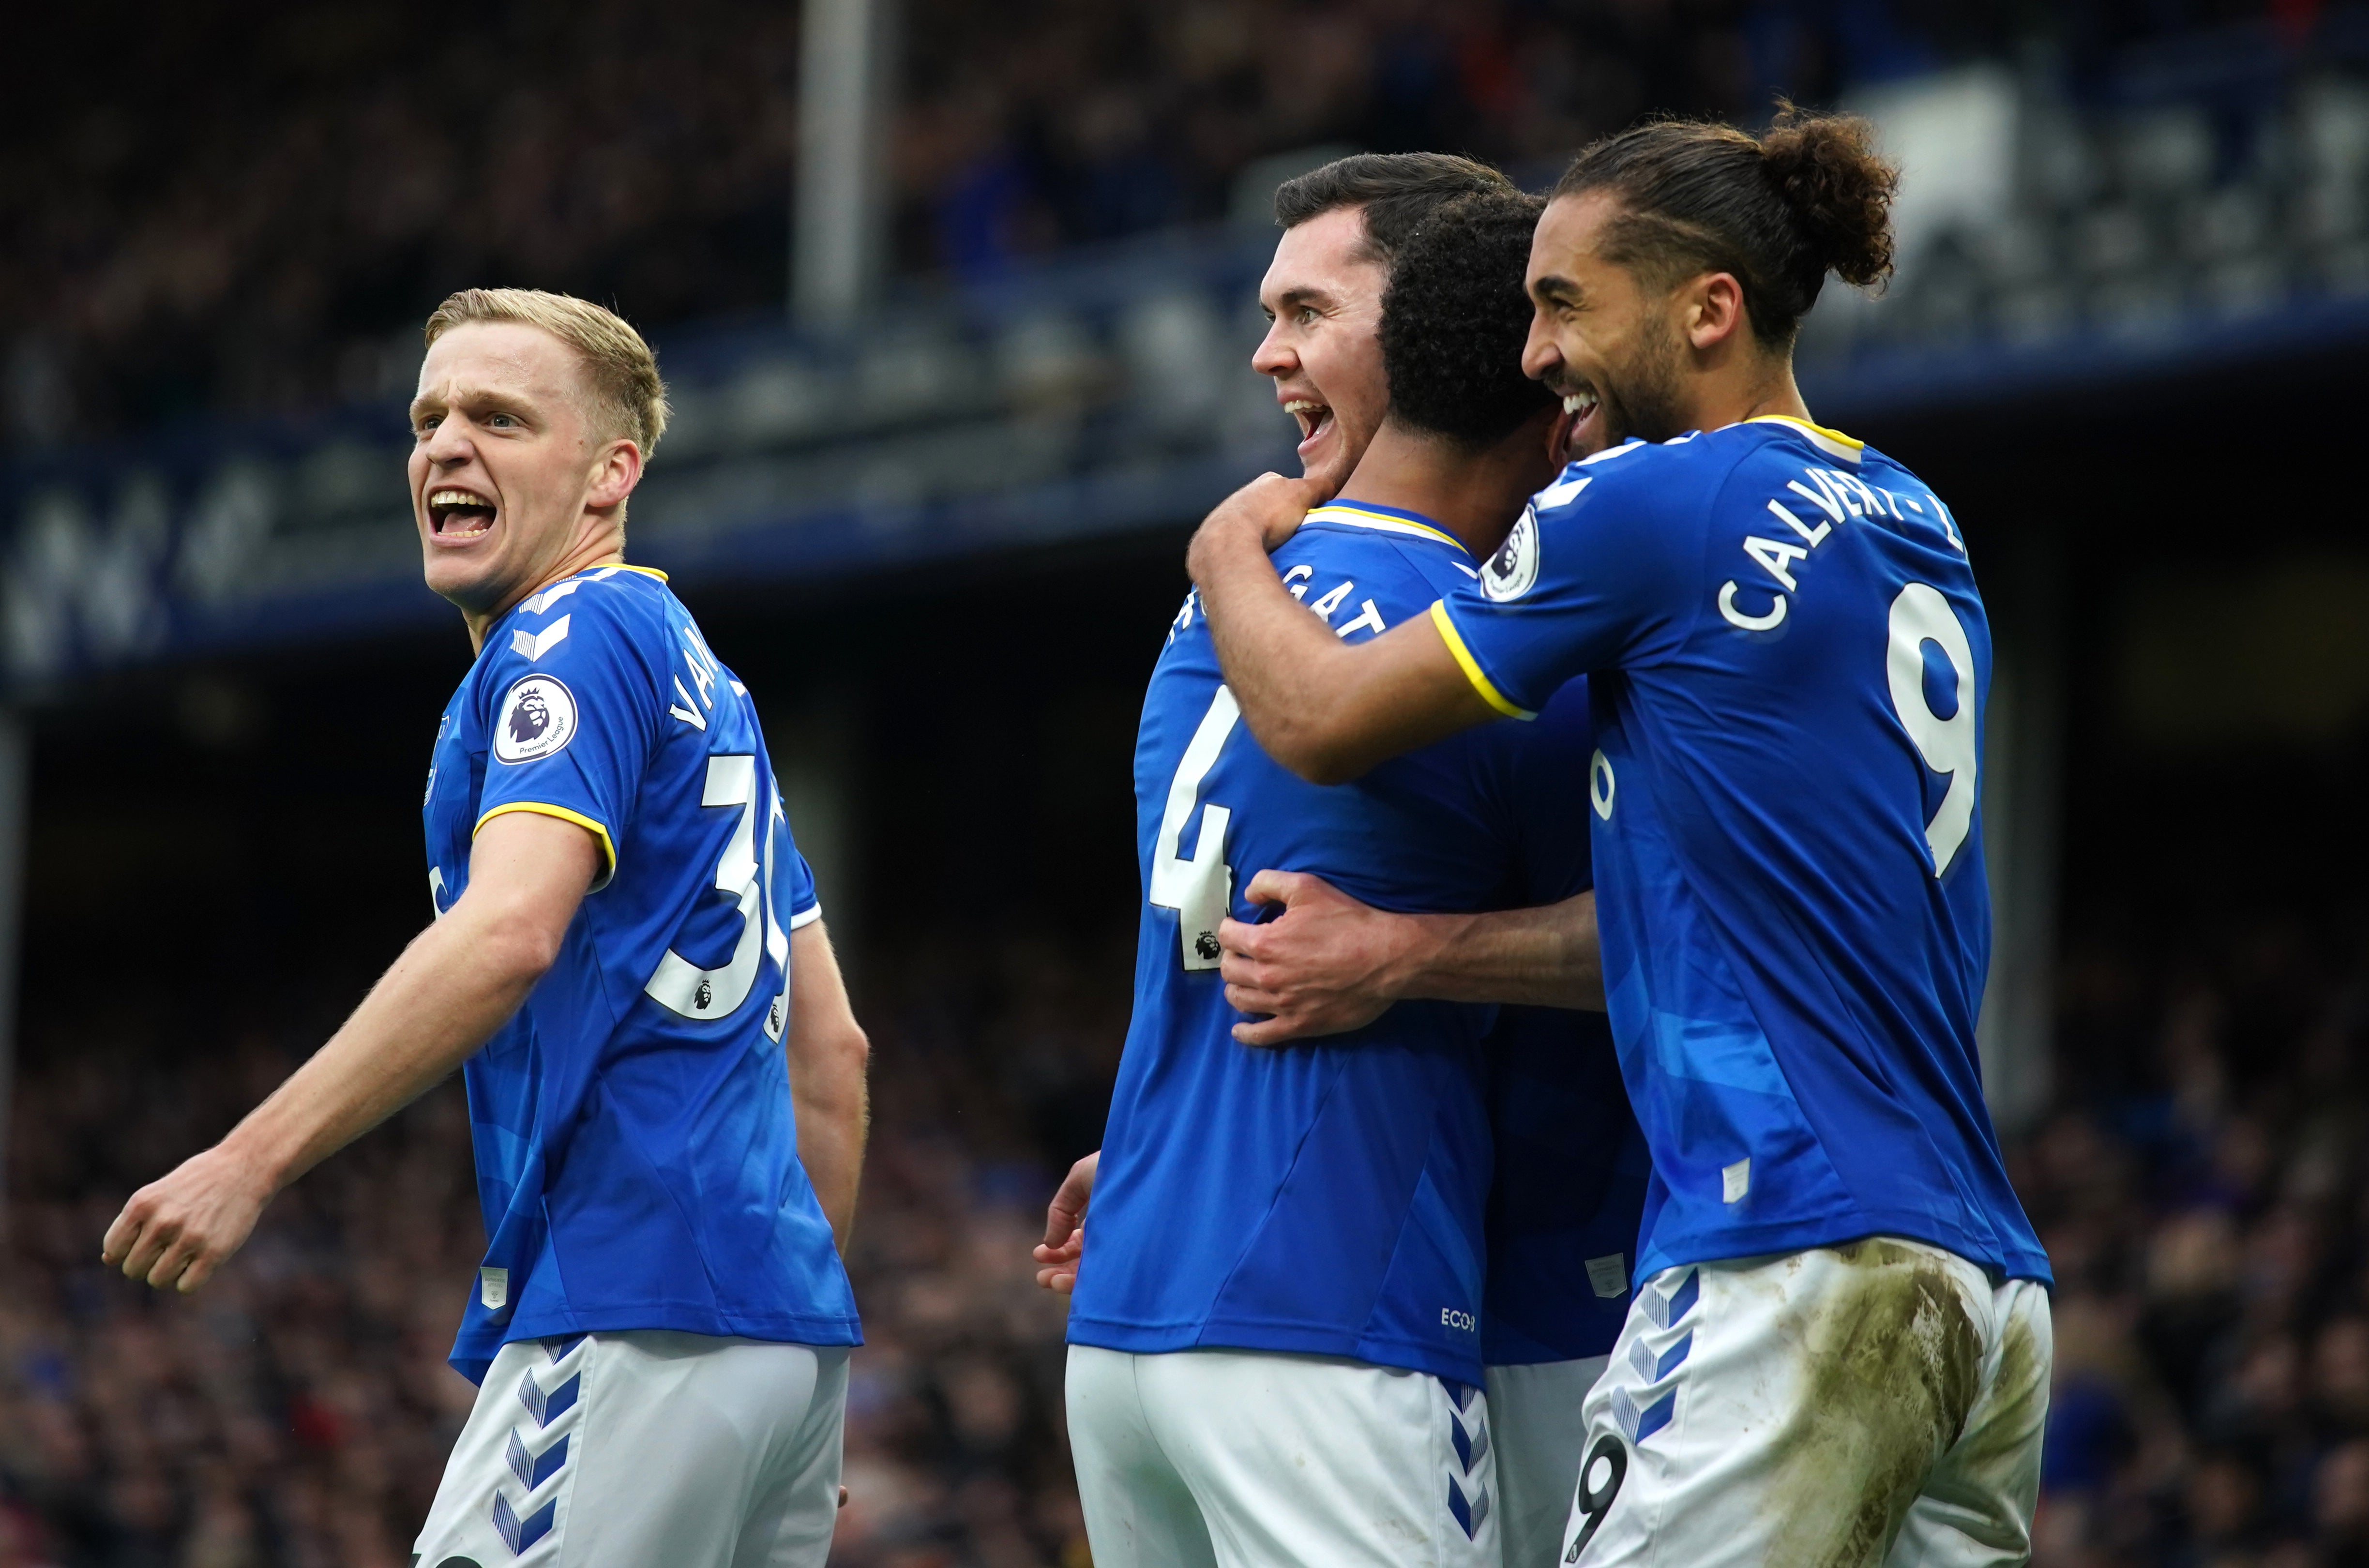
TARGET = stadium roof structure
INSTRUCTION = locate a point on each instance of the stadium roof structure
(1094, 396)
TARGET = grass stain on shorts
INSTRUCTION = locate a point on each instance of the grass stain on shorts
(1891, 1365)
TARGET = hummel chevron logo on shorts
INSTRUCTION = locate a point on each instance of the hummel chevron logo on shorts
(1640, 1414)
(519, 1531)
(1470, 1511)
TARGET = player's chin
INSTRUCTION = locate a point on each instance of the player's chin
(1324, 457)
(463, 576)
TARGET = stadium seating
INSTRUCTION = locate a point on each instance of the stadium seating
(205, 331)
(298, 1411)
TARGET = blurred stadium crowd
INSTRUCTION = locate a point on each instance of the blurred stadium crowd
(2201, 1188)
(298, 1411)
(261, 234)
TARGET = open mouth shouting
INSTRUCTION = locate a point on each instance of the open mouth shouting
(456, 514)
(1315, 422)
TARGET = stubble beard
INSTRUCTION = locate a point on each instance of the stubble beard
(1647, 402)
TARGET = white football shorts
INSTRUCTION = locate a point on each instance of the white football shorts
(1876, 1403)
(1538, 1414)
(1253, 1459)
(626, 1451)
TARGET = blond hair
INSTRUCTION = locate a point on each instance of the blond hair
(626, 392)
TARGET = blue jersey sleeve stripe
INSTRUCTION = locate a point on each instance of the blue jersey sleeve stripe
(608, 844)
(1471, 665)
(806, 916)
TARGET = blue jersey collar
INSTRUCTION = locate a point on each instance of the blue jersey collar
(1834, 443)
(1386, 519)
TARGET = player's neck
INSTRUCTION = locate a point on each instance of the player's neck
(1763, 385)
(604, 547)
(1475, 495)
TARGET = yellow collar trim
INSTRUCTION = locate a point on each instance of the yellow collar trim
(1357, 516)
(1817, 433)
(645, 571)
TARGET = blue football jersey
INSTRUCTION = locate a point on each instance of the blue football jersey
(636, 1158)
(1570, 1190)
(1788, 658)
(1328, 1199)
(1570, 1162)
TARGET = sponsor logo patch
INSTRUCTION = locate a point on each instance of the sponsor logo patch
(538, 717)
(1514, 567)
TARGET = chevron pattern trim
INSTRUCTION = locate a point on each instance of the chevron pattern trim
(547, 1407)
(1468, 1434)
(1654, 1369)
(1640, 1423)
(519, 1534)
(532, 1471)
(522, 1523)
(1665, 1307)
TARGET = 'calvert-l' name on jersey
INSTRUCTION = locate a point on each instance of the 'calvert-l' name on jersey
(1787, 659)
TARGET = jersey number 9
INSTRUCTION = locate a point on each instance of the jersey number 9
(1920, 615)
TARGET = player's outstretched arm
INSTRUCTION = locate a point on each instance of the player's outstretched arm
(1329, 964)
(1326, 711)
(457, 982)
(1065, 1227)
(829, 1059)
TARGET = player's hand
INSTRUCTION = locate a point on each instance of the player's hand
(1323, 966)
(176, 1232)
(1271, 504)
(1065, 1227)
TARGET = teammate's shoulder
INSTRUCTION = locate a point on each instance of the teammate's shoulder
(1644, 475)
(1359, 529)
(613, 598)
(613, 619)
(1382, 547)
(1773, 442)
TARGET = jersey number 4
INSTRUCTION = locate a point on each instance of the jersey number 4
(1198, 889)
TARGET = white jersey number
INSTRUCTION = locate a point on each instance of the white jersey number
(777, 936)
(1198, 888)
(681, 984)
(1920, 615)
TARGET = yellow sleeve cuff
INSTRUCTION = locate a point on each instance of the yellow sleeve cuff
(608, 844)
(1471, 665)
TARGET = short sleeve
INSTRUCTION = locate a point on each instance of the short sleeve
(574, 713)
(1594, 575)
(799, 897)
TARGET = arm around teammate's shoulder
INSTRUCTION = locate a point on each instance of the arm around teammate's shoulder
(1327, 711)
(458, 981)
(829, 1059)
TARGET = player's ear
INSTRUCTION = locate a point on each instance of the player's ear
(617, 469)
(1713, 309)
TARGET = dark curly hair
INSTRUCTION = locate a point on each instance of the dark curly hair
(1779, 211)
(1454, 318)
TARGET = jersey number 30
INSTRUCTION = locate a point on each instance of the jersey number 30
(1920, 615)
(745, 876)
(1198, 889)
